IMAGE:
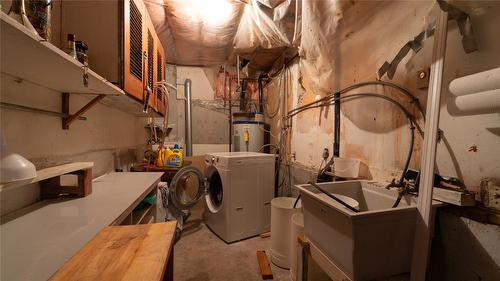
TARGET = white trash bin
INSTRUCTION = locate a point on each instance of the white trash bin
(281, 227)
(297, 230)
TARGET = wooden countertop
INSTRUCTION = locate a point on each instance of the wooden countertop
(136, 252)
(36, 244)
(154, 168)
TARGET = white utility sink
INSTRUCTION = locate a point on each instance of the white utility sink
(374, 243)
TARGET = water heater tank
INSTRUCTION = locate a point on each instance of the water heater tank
(248, 131)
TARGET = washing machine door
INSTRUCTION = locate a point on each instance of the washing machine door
(214, 191)
(187, 188)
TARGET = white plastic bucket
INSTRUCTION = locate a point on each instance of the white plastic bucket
(297, 230)
(346, 167)
(281, 219)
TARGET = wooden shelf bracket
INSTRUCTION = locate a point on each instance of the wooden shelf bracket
(66, 121)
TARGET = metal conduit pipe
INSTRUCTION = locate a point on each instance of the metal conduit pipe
(189, 118)
(261, 93)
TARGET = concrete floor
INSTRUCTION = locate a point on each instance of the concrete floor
(201, 255)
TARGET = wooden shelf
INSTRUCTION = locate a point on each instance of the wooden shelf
(453, 197)
(27, 56)
(49, 173)
(139, 215)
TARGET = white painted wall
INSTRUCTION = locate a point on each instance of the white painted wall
(109, 137)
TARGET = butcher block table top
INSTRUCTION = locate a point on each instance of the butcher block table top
(135, 252)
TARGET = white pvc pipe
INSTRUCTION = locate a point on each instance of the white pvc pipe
(479, 102)
(476, 83)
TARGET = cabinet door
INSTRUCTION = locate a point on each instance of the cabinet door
(160, 76)
(150, 67)
(134, 39)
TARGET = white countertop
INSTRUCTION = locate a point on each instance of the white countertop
(36, 244)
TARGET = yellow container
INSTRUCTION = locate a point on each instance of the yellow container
(160, 160)
(174, 157)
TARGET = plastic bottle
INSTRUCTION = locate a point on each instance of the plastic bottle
(71, 45)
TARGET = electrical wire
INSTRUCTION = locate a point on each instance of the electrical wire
(267, 131)
(296, 201)
(320, 170)
(266, 145)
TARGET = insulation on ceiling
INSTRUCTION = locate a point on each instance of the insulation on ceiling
(210, 32)
(193, 31)
(320, 20)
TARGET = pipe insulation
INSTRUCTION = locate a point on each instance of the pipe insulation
(189, 118)
(475, 83)
(477, 93)
(488, 101)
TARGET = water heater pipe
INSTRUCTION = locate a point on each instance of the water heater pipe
(189, 118)
(261, 93)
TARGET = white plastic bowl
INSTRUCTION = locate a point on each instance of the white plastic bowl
(14, 167)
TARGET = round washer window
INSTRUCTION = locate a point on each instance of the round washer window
(215, 191)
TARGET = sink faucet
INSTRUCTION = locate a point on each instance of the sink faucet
(403, 187)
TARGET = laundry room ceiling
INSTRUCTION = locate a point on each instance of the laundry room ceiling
(211, 32)
(196, 32)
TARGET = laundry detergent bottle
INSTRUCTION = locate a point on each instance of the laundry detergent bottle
(175, 157)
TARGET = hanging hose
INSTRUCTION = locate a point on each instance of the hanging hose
(334, 197)
(400, 196)
(368, 83)
(353, 96)
(296, 201)
(331, 100)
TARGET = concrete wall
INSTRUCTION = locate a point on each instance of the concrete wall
(210, 119)
(464, 248)
(109, 137)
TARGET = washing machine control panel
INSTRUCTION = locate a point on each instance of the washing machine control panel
(212, 161)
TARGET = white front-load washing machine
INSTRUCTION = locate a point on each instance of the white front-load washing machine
(238, 188)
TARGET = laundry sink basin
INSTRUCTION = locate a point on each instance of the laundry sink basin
(375, 242)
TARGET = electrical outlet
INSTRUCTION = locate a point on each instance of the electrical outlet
(490, 193)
